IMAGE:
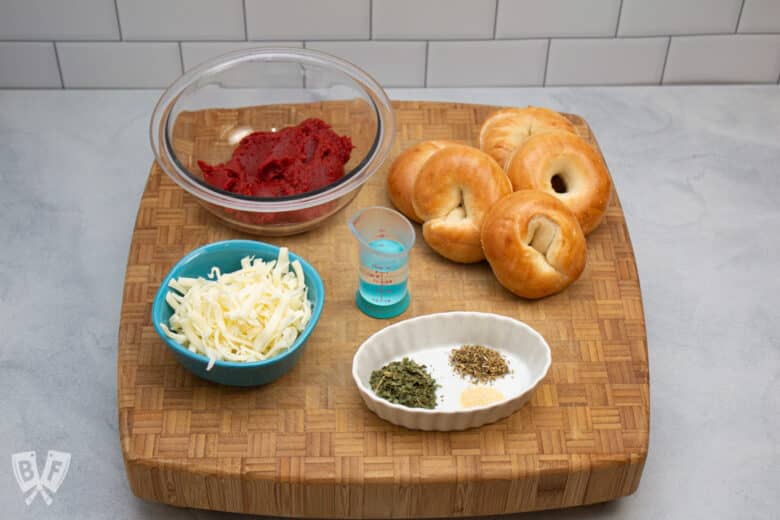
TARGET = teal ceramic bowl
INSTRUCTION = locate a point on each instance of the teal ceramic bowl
(227, 256)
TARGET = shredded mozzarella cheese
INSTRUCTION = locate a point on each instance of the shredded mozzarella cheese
(251, 314)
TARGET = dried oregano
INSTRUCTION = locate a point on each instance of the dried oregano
(478, 363)
(406, 383)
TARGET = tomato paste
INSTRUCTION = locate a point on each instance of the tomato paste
(294, 160)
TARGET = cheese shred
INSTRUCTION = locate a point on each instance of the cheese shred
(251, 314)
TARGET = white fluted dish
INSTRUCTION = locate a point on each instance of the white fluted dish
(428, 340)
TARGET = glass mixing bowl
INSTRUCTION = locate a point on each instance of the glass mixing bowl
(204, 114)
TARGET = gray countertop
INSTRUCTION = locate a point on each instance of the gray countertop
(697, 172)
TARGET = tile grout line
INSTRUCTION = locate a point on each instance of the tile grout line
(246, 23)
(546, 62)
(118, 22)
(181, 58)
(666, 58)
(2, 89)
(617, 23)
(739, 18)
(59, 67)
(83, 88)
(399, 40)
(425, 77)
(495, 21)
(370, 20)
(524, 85)
(190, 40)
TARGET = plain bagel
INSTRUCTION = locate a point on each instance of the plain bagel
(404, 171)
(566, 166)
(452, 193)
(533, 243)
(506, 129)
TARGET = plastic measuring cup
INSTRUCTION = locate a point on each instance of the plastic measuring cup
(385, 237)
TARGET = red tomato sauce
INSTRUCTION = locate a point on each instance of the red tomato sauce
(294, 160)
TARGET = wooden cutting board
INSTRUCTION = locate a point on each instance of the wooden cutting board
(306, 446)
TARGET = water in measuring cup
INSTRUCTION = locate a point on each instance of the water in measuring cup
(383, 279)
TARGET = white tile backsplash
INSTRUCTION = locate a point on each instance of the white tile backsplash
(760, 16)
(116, 65)
(433, 19)
(194, 53)
(551, 18)
(181, 19)
(629, 61)
(665, 17)
(307, 19)
(486, 63)
(393, 64)
(402, 42)
(247, 75)
(745, 58)
(58, 19)
(28, 65)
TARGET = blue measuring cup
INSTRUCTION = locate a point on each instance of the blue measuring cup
(385, 238)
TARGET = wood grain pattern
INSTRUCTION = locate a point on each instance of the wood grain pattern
(307, 446)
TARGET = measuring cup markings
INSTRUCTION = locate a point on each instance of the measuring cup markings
(384, 253)
(383, 278)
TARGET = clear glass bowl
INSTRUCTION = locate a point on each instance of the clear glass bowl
(206, 112)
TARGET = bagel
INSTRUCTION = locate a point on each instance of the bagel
(506, 129)
(566, 166)
(452, 193)
(404, 171)
(533, 243)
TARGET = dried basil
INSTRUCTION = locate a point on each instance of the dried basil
(406, 383)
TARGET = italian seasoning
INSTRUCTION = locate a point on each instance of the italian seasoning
(405, 382)
(478, 363)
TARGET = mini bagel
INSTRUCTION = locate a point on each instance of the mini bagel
(404, 171)
(453, 191)
(534, 244)
(506, 129)
(564, 165)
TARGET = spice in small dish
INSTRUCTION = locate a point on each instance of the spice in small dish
(478, 363)
(406, 383)
(479, 396)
